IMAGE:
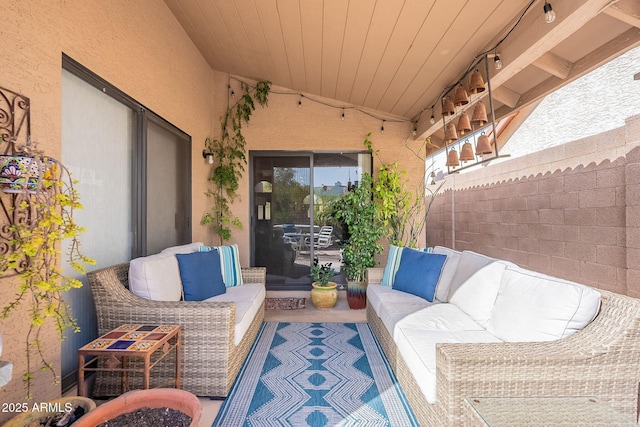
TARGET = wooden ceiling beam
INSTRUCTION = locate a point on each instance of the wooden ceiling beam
(626, 11)
(623, 43)
(506, 96)
(554, 64)
(530, 40)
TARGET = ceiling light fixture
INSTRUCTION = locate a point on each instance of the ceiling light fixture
(549, 14)
(497, 62)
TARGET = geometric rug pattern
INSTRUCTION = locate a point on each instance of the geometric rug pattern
(317, 375)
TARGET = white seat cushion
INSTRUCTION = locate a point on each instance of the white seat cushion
(535, 307)
(478, 294)
(392, 305)
(448, 271)
(156, 277)
(248, 298)
(418, 349)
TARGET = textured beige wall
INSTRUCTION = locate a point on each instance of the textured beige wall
(137, 46)
(570, 211)
(315, 127)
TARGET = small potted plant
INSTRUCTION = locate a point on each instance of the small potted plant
(324, 292)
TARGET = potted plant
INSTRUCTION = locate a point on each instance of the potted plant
(38, 217)
(324, 293)
(357, 212)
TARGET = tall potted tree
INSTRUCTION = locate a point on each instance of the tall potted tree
(358, 213)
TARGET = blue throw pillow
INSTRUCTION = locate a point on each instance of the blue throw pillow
(418, 273)
(393, 262)
(201, 275)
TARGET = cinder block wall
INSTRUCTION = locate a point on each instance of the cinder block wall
(572, 211)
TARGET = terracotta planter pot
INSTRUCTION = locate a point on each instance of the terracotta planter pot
(64, 404)
(324, 296)
(173, 398)
(357, 295)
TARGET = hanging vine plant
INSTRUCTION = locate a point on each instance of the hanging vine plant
(39, 205)
(230, 157)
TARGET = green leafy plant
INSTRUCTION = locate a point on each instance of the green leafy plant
(358, 213)
(42, 217)
(322, 273)
(403, 212)
(230, 158)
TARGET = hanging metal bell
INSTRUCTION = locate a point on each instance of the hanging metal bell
(466, 153)
(476, 82)
(452, 158)
(448, 109)
(464, 125)
(479, 116)
(483, 145)
(450, 134)
(461, 97)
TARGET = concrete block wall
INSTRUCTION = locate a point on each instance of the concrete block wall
(572, 211)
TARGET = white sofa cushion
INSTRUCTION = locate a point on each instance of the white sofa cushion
(535, 307)
(183, 249)
(469, 263)
(392, 305)
(477, 295)
(448, 271)
(248, 298)
(418, 349)
(156, 277)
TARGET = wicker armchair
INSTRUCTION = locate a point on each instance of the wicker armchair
(601, 360)
(210, 360)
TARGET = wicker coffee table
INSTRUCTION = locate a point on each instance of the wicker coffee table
(541, 411)
(117, 347)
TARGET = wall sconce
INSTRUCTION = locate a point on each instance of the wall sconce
(207, 156)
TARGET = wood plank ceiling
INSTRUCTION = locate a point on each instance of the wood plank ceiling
(398, 57)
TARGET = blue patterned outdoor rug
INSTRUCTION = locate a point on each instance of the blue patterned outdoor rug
(316, 374)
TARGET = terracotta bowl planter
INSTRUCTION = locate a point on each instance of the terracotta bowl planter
(173, 398)
(53, 407)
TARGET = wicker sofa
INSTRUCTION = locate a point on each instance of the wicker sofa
(211, 359)
(602, 359)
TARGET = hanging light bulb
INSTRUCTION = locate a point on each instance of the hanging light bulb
(300, 102)
(432, 120)
(549, 14)
(382, 127)
(415, 129)
(497, 62)
(342, 114)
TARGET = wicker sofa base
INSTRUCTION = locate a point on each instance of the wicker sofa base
(601, 360)
(210, 359)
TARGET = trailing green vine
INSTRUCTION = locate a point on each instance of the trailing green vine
(403, 212)
(42, 218)
(230, 158)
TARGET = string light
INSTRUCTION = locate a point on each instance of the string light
(549, 14)
(415, 128)
(497, 62)
(432, 120)
(300, 102)
(382, 127)
(342, 117)
(233, 94)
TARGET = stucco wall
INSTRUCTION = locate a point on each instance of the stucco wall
(316, 127)
(139, 47)
(570, 211)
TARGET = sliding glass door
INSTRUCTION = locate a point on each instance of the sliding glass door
(292, 225)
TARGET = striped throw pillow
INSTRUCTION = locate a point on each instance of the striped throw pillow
(229, 263)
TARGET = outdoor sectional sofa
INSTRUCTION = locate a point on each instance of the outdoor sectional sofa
(509, 332)
(216, 333)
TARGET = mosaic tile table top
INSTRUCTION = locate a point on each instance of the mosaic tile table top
(132, 337)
